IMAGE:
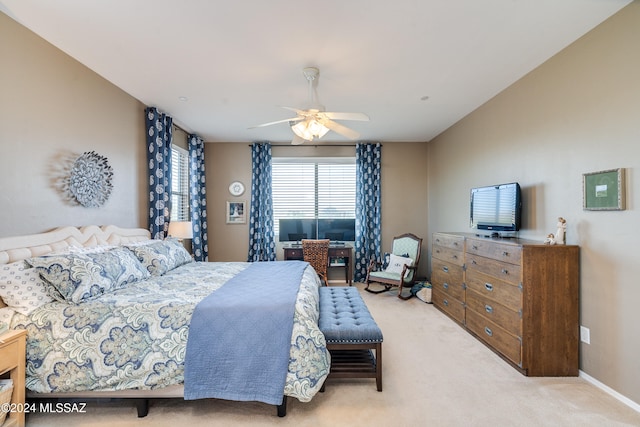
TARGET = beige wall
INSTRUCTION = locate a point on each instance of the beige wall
(52, 109)
(404, 195)
(579, 112)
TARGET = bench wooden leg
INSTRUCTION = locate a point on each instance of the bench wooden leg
(379, 366)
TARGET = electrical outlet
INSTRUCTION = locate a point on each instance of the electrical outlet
(585, 335)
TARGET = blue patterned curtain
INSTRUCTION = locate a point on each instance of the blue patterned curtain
(262, 245)
(198, 199)
(368, 205)
(159, 135)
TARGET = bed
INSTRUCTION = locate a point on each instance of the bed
(128, 338)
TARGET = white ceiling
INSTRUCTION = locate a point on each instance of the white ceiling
(237, 61)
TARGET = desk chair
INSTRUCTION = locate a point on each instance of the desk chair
(316, 253)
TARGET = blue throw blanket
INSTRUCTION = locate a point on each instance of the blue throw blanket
(240, 335)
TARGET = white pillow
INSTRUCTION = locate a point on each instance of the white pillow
(397, 262)
(22, 288)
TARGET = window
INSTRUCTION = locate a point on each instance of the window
(313, 188)
(179, 184)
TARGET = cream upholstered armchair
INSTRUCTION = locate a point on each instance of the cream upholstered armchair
(400, 268)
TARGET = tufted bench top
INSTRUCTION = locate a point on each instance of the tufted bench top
(345, 318)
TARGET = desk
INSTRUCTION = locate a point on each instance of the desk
(335, 251)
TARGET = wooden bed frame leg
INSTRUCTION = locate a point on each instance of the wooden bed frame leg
(282, 408)
(143, 407)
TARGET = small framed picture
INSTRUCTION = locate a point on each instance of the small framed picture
(236, 212)
(604, 190)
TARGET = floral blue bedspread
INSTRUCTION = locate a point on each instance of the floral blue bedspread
(135, 337)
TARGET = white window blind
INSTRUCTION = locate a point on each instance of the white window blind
(313, 188)
(179, 184)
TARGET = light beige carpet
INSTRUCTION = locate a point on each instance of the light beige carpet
(434, 374)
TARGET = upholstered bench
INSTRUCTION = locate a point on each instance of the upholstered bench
(351, 334)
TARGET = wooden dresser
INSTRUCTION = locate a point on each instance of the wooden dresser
(519, 297)
(447, 275)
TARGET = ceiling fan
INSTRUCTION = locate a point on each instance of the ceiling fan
(314, 121)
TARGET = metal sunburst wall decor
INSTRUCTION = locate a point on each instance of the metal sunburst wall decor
(90, 180)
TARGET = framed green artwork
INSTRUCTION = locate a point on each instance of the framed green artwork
(603, 190)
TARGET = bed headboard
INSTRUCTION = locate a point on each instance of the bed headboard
(22, 247)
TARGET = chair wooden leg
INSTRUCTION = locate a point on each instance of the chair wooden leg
(400, 293)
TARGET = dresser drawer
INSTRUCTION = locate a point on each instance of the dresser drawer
(453, 307)
(447, 278)
(501, 270)
(499, 251)
(448, 241)
(501, 340)
(509, 320)
(452, 256)
(494, 289)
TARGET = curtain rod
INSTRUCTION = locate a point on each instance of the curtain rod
(318, 145)
(180, 128)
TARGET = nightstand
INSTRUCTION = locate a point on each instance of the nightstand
(12, 361)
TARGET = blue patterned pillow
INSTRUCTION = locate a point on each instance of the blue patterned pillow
(161, 256)
(82, 276)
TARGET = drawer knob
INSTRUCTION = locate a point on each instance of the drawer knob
(488, 308)
(445, 269)
(445, 302)
(438, 240)
(488, 286)
(455, 257)
(505, 253)
(455, 243)
(488, 331)
(505, 271)
(445, 285)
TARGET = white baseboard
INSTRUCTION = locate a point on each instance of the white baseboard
(630, 403)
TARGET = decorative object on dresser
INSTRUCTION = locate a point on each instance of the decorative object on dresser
(519, 297)
(401, 269)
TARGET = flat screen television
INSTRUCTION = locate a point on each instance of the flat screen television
(337, 229)
(294, 230)
(497, 209)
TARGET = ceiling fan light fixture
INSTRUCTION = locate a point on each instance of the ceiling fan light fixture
(313, 121)
(309, 129)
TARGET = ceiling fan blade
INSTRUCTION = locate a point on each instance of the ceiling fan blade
(346, 116)
(295, 110)
(297, 140)
(342, 130)
(295, 119)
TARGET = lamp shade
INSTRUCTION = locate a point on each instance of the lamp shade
(180, 229)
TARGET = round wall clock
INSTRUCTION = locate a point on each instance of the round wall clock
(236, 188)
